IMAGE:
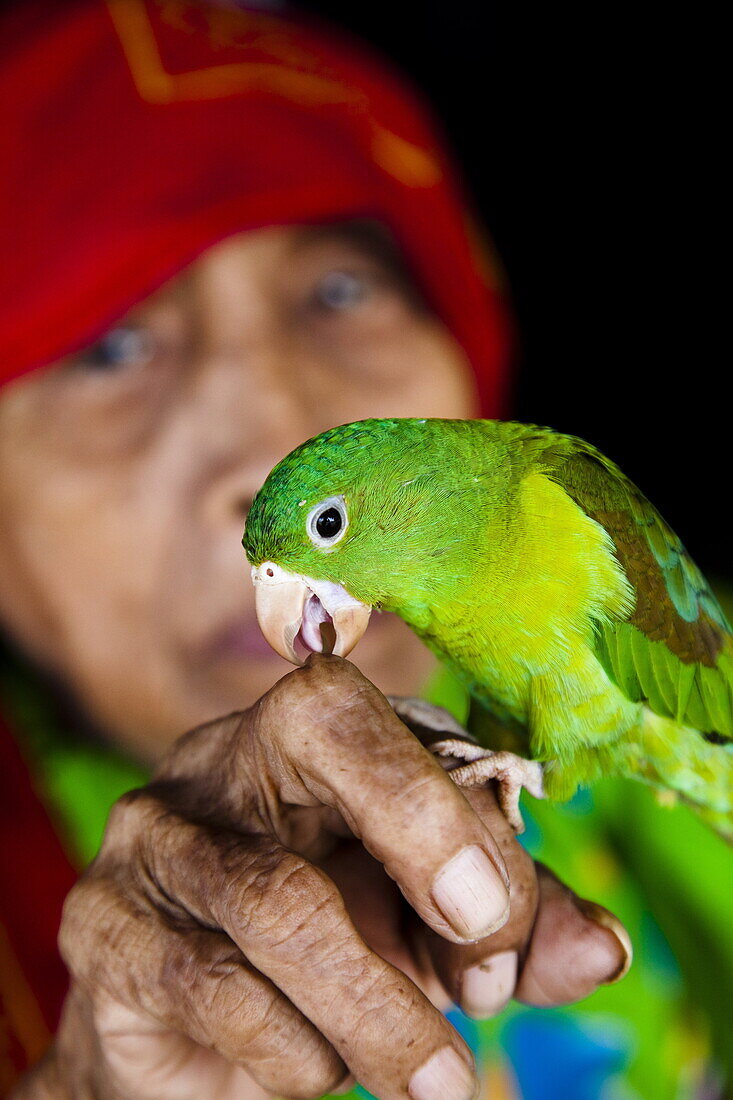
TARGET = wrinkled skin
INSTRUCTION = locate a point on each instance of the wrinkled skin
(245, 929)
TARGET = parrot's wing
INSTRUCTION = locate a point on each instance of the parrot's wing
(676, 650)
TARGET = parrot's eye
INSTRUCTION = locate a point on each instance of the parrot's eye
(327, 522)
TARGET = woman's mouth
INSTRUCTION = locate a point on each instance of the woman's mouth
(241, 640)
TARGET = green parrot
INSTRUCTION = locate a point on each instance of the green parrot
(535, 570)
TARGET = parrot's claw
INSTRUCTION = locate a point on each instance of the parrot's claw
(511, 772)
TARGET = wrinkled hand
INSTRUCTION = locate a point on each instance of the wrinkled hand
(238, 935)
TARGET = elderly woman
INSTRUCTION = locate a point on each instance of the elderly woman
(229, 232)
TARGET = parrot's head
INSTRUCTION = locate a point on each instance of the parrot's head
(350, 520)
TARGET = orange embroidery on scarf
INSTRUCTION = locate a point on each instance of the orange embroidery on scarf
(293, 73)
(408, 163)
(132, 21)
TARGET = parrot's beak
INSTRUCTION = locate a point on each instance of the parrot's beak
(299, 615)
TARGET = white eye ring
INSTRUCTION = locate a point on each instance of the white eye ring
(330, 504)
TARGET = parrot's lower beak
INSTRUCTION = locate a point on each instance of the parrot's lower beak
(299, 615)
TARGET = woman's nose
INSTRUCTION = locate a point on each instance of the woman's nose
(257, 414)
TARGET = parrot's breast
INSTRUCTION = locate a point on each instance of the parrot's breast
(521, 633)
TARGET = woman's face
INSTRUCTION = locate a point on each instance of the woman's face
(126, 471)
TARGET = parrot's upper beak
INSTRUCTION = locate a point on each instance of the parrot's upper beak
(299, 615)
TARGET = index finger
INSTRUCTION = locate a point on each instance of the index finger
(329, 736)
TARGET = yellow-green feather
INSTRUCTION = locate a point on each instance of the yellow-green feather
(675, 651)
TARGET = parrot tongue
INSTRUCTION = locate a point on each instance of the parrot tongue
(299, 615)
(317, 633)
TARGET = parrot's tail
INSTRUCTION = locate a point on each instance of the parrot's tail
(682, 762)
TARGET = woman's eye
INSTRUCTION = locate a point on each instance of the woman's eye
(340, 290)
(327, 522)
(124, 346)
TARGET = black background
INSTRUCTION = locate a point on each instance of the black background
(592, 144)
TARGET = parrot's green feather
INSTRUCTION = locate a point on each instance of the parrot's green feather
(542, 577)
(676, 624)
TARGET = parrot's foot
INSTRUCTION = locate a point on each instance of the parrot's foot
(511, 772)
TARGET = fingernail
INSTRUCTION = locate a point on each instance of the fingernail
(607, 920)
(445, 1076)
(470, 894)
(488, 987)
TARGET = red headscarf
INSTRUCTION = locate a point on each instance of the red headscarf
(140, 133)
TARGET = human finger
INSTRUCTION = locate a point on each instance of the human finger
(327, 736)
(190, 997)
(576, 946)
(289, 920)
(135, 1057)
(556, 948)
(481, 976)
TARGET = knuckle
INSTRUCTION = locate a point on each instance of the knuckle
(307, 1085)
(131, 816)
(374, 1017)
(77, 906)
(166, 834)
(245, 1018)
(268, 1031)
(91, 917)
(421, 794)
(190, 977)
(194, 755)
(382, 998)
(282, 901)
(258, 1012)
(284, 1049)
(341, 679)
